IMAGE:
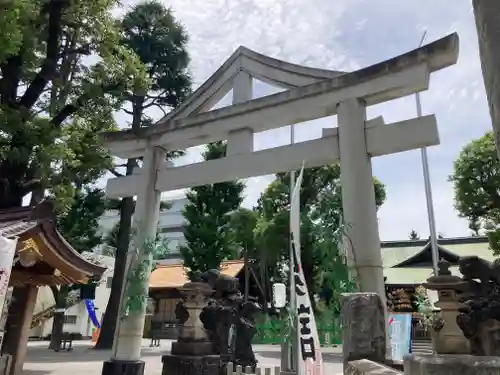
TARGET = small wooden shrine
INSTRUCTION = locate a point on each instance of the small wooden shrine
(43, 258)
(164, 284)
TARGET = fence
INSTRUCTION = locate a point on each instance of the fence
(272, 332)
(231, 370)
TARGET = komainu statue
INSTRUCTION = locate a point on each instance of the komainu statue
(229, 320)
(479, 318)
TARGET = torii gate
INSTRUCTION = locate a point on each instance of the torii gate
(310, 94)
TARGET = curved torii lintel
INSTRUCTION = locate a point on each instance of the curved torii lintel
(267, 69)
(423, 60)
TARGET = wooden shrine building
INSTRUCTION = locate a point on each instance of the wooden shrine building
(43, 258)
(164, 284)
(408, 264)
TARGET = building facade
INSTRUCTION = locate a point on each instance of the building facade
(170, 226)
(76, 316)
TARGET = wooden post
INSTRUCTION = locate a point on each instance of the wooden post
(19, 325)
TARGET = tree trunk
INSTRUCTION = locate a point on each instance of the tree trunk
(487, 16)
(106, 336)
(60, 297)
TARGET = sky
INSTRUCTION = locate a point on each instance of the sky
(347, 35)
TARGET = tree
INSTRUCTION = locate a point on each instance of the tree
(321, 204)
(52, 106)
(111, 241)
(476, 177)
(241, 228)
(80, 227)
(160, 42)
(413, 235)
(207, 215)
(487, 16)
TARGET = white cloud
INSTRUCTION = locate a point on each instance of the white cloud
(346, 35)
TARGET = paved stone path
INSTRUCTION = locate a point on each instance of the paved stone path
(83, 360)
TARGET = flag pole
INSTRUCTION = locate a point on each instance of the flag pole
(293, 340)
(428, 190)
(288, 348)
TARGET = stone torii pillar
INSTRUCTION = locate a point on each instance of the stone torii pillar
(126, 357)
(358, 197)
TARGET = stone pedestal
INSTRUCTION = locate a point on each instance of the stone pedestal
(363, 327)
(450, 364)
(192, 353)
(121, 367)
(190, 365)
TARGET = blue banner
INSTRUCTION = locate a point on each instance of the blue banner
(400, 335)
(91, 310)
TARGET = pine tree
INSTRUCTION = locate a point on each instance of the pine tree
(208, 215)
(413, 235)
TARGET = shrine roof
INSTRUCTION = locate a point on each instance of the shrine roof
(57, 262)
(419, 252)
(412, 275)
(410, 262)
(174, 275)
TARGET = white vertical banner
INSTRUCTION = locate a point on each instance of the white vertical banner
(7, 251)
(309, 358)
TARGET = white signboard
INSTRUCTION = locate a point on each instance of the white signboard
(7, 251)
(279, 295)
(309, 358)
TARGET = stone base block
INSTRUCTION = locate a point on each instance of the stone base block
(367, 367)
(286, 372)
(190, 365)
(117, 367)
(195, 348)
(451, 364)
(363, 322)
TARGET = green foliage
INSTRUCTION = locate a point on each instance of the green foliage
(160, 250)
(151, 31)
(52, 105)
(80, 224)
(208, 215)
(476, 178)
(413, 235)
(332, 273)
(241, 228)
(321, 212)
(136, 289)
(137, 286)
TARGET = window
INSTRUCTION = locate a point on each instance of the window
(70, 319)
(109, 281)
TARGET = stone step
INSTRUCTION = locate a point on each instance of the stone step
(421, 347)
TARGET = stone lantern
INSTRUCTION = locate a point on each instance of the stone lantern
(447, 337)
(193, 338)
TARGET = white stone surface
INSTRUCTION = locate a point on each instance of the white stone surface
(129, 331)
